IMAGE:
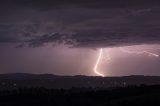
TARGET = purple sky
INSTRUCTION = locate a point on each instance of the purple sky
(62, 60)
(64, 36)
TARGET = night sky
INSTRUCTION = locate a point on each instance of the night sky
(64, 37)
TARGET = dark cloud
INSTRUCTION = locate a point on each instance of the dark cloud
(87, 3)
(41, 40)
(7, 39)
(98, 38)
(81, 23)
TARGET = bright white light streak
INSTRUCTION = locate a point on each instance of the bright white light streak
(139, 52)
(97, 63)
(108, 58)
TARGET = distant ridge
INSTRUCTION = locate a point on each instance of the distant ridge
(27, 76)
(51, 76)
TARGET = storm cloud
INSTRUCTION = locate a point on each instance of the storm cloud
(80, 23)
(57, 36)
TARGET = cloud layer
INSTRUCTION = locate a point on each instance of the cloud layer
(81, 23)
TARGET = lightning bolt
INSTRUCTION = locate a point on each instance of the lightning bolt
(97, 63)
(108, 58)
(139, 52)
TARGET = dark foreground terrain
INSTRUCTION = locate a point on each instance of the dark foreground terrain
(22, 80)
(122, 96)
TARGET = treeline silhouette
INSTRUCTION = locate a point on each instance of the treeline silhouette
(122, 96)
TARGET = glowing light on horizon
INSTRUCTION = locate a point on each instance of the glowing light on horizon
(97, 63)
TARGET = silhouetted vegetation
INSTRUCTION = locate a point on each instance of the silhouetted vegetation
(122, 96)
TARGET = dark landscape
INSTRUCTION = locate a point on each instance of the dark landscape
(50, 81)
(51, 90)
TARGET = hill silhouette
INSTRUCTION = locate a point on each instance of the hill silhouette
(21, 80)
